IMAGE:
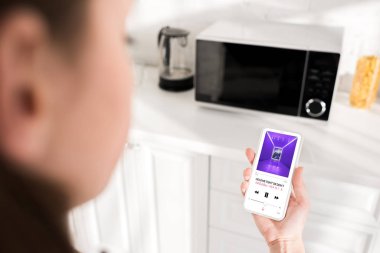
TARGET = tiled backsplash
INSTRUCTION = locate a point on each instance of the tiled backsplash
(361, 20)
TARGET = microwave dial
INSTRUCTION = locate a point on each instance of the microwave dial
(315, 107)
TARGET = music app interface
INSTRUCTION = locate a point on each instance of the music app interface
(271, 178)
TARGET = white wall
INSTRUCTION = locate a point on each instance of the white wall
(361, 20)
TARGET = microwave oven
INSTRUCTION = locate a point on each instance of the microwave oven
(273, 67)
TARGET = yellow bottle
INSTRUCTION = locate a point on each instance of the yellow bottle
(366, 82)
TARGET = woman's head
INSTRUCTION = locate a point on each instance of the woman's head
(64, 90)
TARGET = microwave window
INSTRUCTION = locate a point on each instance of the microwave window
(249, 76)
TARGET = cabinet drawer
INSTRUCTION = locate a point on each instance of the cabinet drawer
(339, 199)
(226, 175)
(227, 213)
(225, 242)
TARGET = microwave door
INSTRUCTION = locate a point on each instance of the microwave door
(210, 68)
(260, 86)
(250, 76)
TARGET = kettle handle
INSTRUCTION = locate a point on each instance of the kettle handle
(160, 33)
(166, 45)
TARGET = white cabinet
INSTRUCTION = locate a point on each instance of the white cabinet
(343, 216)
(164, 200)
(113, 222)
(156, 202)
(181, 190)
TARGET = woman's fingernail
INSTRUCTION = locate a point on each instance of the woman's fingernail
(246, 178)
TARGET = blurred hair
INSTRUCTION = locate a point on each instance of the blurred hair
(64, 18)
(33, 213)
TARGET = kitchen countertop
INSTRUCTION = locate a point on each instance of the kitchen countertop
(349, 142)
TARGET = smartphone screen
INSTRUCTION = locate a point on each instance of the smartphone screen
(272, 171)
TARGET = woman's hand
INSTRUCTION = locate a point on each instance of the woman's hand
(285, 235)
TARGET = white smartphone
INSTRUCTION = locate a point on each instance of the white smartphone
(272, 172)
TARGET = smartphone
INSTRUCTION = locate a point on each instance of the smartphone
(272, 171)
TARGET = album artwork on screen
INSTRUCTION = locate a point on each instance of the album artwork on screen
(277, 153)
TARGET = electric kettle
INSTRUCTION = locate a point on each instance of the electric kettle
(174, 69)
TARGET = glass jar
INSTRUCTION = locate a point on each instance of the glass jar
(366, 82)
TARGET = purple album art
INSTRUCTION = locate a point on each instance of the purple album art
(277, 153)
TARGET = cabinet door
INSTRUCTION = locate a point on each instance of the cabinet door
(122, 218)
(181, 190)
(157, 201)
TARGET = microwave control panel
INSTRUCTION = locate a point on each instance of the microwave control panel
(320, 79)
